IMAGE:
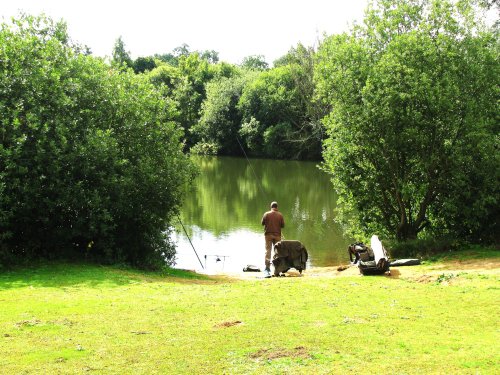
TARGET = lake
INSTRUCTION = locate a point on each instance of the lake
(222, 213)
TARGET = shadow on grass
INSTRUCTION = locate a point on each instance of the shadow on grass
(61, 275)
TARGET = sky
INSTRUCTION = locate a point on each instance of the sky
(233, 28)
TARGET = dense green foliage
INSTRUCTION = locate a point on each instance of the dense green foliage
(220, 120)
(403, 109)
(281, 118)
(413, 131)
(185, 85)
(272, 110)
(255, 62)
(91, 164)
(226, 109)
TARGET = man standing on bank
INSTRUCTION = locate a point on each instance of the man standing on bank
(273, 222)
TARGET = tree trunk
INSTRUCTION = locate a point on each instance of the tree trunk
(405, 231)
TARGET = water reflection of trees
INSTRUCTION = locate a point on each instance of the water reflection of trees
(232, 194)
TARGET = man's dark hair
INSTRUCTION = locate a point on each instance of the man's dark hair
(274, 205)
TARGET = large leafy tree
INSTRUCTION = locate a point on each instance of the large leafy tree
(270, 113)
(310, 131)
(172, 58)
(414, 96)
(143, 64)
(270, 107)
(91, 164)
(275, 114)
(185, 84)
(221, 119)
(120, 56)
(210, 56)
(254, 62)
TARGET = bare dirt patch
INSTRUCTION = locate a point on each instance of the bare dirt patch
(63, 322)
(425, 279)
(353, 320)
(270, 354)
(28, 323)
(228, 324)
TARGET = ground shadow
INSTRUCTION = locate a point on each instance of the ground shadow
(63, 275)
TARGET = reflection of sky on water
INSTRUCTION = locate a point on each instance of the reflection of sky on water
(235, 250)
(228, 253)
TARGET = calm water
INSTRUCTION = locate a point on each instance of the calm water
(223, 211)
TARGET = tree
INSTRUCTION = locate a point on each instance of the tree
(413, 93)
(182, 50)
(91, 163)
(310, 133)
(168, 58)
(172, 58)
(254, 62)
(121, 57)
(275, 115)
(190, 96)
(211, 56)
(168, 77)
(221, 119)
(185, 85)
(142, 64)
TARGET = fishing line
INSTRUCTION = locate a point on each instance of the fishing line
(251, 167)
(189, 239)
(255, 176)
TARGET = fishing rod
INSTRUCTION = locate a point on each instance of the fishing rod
(189, 239)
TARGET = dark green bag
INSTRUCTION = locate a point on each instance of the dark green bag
(289, 254)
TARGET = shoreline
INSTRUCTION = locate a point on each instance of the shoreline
(425, 272)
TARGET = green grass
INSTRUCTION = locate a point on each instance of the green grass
(471, 252)
(69, 319)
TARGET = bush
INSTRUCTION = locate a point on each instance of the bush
(205, 148)
(421, 248)
(91, 166)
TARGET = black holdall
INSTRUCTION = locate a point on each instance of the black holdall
(371, 268)
(370, 260)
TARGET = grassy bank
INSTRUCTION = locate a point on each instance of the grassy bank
(88, 319)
